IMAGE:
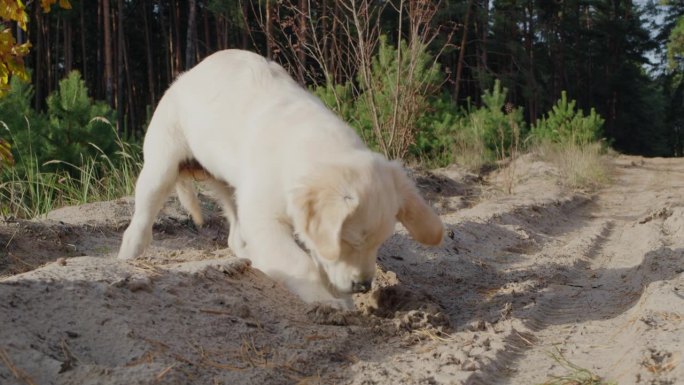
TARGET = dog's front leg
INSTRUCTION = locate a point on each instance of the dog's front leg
(272, 248)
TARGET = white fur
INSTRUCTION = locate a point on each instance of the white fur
(284, 165)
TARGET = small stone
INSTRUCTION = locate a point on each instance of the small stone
(455, 358)
(479, 325)
(121, 282)
(139, 283)
(487, 344)
(469, 365)
(71, 334)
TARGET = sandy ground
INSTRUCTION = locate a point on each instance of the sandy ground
(529, 271)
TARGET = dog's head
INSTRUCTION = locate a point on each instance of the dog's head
(345, 211)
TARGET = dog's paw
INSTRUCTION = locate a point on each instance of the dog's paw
(125, 255)
(128, 251)
(134, 242)
(314, 293)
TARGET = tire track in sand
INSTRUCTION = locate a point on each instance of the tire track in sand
(592, 316)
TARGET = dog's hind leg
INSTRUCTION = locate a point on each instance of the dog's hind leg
(164, 150)
(153, 187)
(151, 190)
(225, 194)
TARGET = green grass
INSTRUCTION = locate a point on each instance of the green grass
(29, 191)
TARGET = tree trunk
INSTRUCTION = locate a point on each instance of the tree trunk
(99, 89)
(49, 70)
(324, 35)
(109, 88)
(167, 46)
(120, 90)
(484, 35)
(217, 32)
(269, 31)
(302, 39)
(207, 39)
(529, 47)
(561, 49)
(190, 38)
(245, 27)
(39, 49)
(84, 56)
(461, 52)
(150, 65)
(131, 94)
(68, 49)
(175, 13)
(335, 55)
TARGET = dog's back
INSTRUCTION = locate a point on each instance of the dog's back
(253, 112)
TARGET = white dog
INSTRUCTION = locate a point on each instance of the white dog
(287, 172)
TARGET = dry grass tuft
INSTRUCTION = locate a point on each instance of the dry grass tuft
(576, 376)
(309, 380)
(583, 167)
(471, 152)
(433, 335)
(254, 355)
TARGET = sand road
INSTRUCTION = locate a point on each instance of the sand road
(531, 278)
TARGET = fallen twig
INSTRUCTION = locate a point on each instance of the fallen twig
(18, 373)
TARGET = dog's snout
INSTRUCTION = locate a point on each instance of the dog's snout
(361, 286)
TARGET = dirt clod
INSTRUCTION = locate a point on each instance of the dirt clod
(326, 315)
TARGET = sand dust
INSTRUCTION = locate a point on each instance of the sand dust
(528, 271)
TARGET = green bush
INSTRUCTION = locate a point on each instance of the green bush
(403, 80)
(564, 124)
(339, 98)
(79, 127)
(490, 132)
(71, 155)
(439, 132)
(434, 143)
(74, 128)
(25, 128)
(394, 108)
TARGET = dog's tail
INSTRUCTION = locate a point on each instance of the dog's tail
(187, 195)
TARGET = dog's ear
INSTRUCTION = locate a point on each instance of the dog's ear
(414, 213)
(319, 210)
